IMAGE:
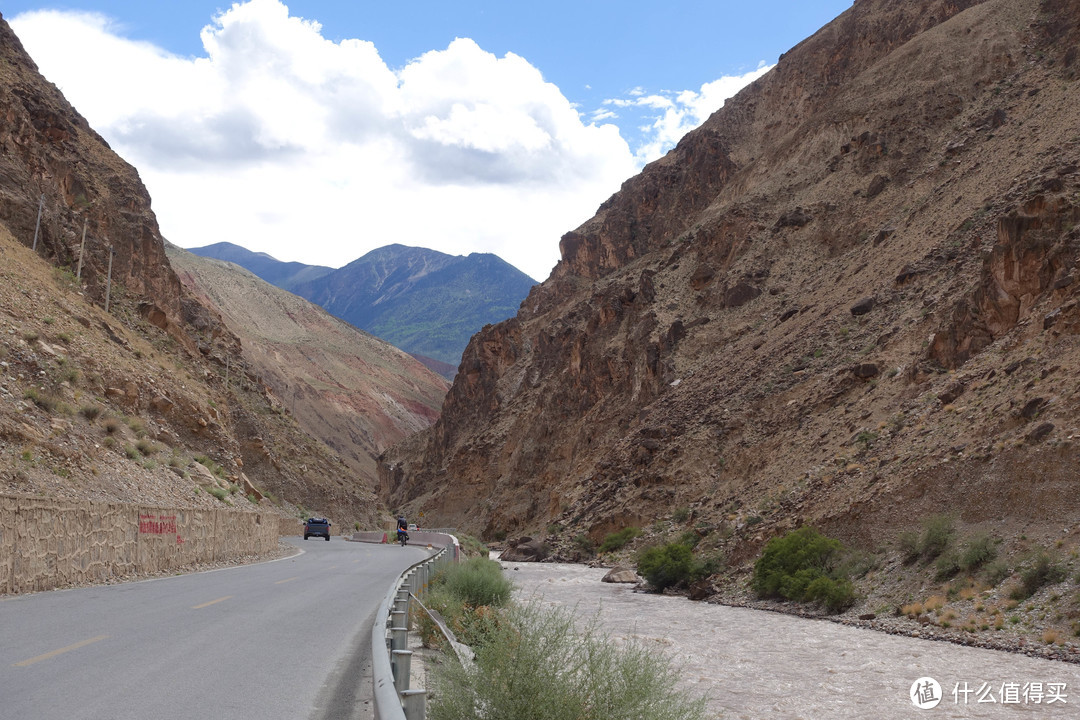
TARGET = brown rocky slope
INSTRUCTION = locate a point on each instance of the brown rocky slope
(357, 393)
(849, 299)
(152, 401)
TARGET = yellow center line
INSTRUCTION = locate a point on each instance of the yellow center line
(282, 582)
(332, 567)
(212, 602)
(61, 651)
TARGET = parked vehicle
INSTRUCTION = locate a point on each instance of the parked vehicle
(317, 527)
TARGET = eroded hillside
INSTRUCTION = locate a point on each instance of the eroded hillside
(151, 401)
(849, 299)
(357, 393)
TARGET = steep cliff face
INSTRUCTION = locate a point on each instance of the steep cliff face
(53, 159)
(843, 286)
(152, 401)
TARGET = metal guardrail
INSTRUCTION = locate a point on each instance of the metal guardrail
(391, 658)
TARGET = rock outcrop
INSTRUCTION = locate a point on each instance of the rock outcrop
(757, 328)
(150, 399)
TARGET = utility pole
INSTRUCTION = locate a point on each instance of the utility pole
(37, 226)
(78, 274)
(108, 283)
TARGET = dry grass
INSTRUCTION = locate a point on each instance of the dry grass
(934, 602)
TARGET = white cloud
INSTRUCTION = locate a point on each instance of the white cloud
(288, 143)
(285, 142)
(681, 111)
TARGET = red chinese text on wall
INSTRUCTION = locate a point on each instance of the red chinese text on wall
(157, 524)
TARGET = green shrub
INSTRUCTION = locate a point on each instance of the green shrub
(472, 547)
(680, 515)
(996, 571)
(618, 540)
(43, 400)
(937, 534)
(90, 412)
(948, 564)
(585, 545)
(979, 551)
(137, 426)
(537, 665)
(667, 565)
(674, 564)
(477, 582)
(690, 539)
(220, 493)
(801, 566)
(1043, 571)
(835, 594)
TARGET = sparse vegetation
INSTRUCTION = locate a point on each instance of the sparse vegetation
(45, 401)
(619, 539)
(936, 536)
(467, 595)
(585, 545)
(537, 664)
(674, 564)
(472, 546)
(1043, 571)
(478, 581)
(210, 465)
(980, 550)
(803, 566)
(90, 412)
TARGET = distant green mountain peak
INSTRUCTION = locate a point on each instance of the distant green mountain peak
(423, 301)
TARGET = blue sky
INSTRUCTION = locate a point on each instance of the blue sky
(461, 126)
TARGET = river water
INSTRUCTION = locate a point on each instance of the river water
(753, 664)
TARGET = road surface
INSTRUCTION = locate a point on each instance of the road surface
(283, 639)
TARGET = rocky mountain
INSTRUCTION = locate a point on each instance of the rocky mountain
(355, 392)
(117, 383)
(848, 299)
(285, 275)
(425, 302)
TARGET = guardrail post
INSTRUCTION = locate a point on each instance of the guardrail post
(402, 666)
(415, 704)
(399, 638)
(403, 606)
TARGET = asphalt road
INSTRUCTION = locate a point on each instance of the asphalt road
(283, 639)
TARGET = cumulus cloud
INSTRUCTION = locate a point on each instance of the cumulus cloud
(289, 143)
(673, 114)
(283, 141)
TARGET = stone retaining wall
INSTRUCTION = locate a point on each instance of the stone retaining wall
(46, 543)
